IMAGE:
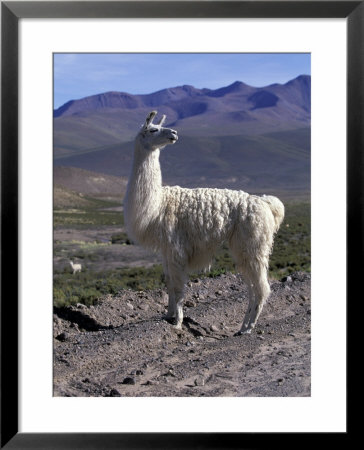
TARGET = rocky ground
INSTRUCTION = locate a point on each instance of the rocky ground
(123, 347)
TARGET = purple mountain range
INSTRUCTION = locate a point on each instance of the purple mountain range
(188, 101)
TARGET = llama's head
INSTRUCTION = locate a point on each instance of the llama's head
(153, 136)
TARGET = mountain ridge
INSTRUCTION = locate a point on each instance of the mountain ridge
(120, 99)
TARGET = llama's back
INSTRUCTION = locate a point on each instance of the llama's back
(203, 210)
(208, 213)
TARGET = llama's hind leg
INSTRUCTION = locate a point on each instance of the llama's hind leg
(171, 311)
(259, 291)
(251, 305)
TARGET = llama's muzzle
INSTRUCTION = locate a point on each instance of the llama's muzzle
(174, 137)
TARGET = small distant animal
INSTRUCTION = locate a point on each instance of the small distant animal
(75, 267)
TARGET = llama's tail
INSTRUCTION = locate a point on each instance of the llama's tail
(277, 209)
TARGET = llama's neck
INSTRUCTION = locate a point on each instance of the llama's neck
(144, 193)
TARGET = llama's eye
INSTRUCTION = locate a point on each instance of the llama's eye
(154, 130)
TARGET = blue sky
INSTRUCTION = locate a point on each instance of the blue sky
(82, 74)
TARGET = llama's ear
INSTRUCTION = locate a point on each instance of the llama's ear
(161, 122)
(150, 118)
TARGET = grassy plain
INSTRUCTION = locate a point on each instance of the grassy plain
(94, 236)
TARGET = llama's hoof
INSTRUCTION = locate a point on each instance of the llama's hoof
(240, 332)
(169, 319)
(177, 326)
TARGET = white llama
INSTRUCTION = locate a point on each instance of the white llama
(188, 225)
(76, 267)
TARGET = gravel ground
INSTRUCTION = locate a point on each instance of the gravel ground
(123, 347)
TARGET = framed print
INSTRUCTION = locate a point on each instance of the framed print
(46, 399)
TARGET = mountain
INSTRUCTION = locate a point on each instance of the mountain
(296, 92)
(259, 136)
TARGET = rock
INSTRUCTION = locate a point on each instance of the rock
(233, 287)
(75, 326)
(151, 383)
(114, 393)
(219, 292)
(214, 328)
(64, 360)
(190, 303)
(129, 306)
(199, 381)
(81, 306)
(287, 279)
(129, 380)
(62, 337)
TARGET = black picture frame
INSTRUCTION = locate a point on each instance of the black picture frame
(11, 12)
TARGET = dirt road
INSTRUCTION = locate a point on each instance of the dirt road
(123, 347)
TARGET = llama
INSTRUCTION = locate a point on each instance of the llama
(76, 267)
(186, 226)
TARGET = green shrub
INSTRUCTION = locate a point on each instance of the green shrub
(86, 287)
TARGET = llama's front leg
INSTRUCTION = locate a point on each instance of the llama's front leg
(177, 280)
(171, 312)
(179, 308)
